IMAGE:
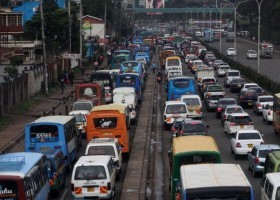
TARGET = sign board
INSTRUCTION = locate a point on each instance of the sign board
(71, 56)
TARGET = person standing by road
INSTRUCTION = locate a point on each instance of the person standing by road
(154, 67)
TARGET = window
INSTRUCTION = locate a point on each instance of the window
(241, 120)
(70, 131)
(87, 91)
(277, 195)
(191, 101)
(101, 150)
(44, 133)
(269, 190)
(249, 136)
(106, 122)
(90, 173)
(181, 83)
(82, 106)
(110, 168)
(174, 109)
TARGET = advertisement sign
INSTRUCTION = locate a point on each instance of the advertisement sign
(149, 3)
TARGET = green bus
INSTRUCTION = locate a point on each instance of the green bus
(272, 162)
(190, 150)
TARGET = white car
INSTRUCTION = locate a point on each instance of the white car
(173, 110)
(230, 110)
(267, 112)
(231, 74)
(261, 102)
(246, 86)
(251, 54)
(216, 62)
(231, 52)
(222, 70)
(243, 141)
(236, 122)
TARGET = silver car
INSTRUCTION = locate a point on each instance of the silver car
(257, 156)
(251, 54)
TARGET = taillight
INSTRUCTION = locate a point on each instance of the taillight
(257, 160)
(104, 189)
(232, 124)
(219, 109)
(238, 145)
(225, 117)
(78, 190)
(251, 123)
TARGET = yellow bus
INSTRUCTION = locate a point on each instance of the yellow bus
(109, 121)
(190, 150)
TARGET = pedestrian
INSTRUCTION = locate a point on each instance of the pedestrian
(71, 77)
(95, 64)
(154, 67)
(62, 85)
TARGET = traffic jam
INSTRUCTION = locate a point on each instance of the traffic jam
(196, 82)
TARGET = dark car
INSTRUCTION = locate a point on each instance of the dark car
(259, 90)
(211, 102)
(247, 97)
(176, 126)
(236, 84)
(193, 127)
(223, 103)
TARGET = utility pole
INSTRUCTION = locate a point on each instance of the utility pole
(81, 34)
(70, 25)
(44, 49)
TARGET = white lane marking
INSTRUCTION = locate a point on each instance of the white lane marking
(64, 193)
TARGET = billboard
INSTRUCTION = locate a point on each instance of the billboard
(155, 3)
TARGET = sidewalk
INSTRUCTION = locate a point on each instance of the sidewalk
(54, 104)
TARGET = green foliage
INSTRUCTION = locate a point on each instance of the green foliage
(16, 60)
(12, 71)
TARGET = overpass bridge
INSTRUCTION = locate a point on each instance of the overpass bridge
(204, 10)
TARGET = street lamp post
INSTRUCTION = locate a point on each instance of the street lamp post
(259, 32)
(235, 8)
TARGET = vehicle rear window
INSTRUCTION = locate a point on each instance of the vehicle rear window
(127, 80)
(193, 128)
(101, 150)
(235, 110)
(242, 119)
(227, 102)
(233, 74)
(90, 173)
(82, 106)
(266, 99)
(8, 190)
(248, 136)
(176, 108)
(191, 101)
(173, 62)
(44, 133)
(85, 92)
(263, 153)
(105, 122)
(181, 83)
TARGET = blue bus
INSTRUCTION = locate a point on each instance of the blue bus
(208, 35)
(56, 169)
(143, 52)
(23, 176)
(137, 40)
(130, 80)
(178, 86)
(56, 132)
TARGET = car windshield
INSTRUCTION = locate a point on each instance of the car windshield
(249, 136)
(233, 74)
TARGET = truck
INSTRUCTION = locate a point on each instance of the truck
(266, 50)
(203, 72)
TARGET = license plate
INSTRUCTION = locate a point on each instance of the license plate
(250, 145)
(90, 189)
(241, 126)
(250, 103)
(106, 134)
(175, 116)
(239, 85)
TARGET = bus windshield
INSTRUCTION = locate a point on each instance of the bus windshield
(44, 133)
(181, 83)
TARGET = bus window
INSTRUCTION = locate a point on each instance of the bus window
(108, 122)
(44, 133)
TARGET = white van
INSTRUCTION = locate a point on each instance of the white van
(270, 187)
(194, 105)
(128, 96)
(93, 177)
(106, 146)
(173, 110)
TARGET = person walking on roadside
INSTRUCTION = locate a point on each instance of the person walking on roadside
(62, 85)
(154, 67)
(71, 77)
